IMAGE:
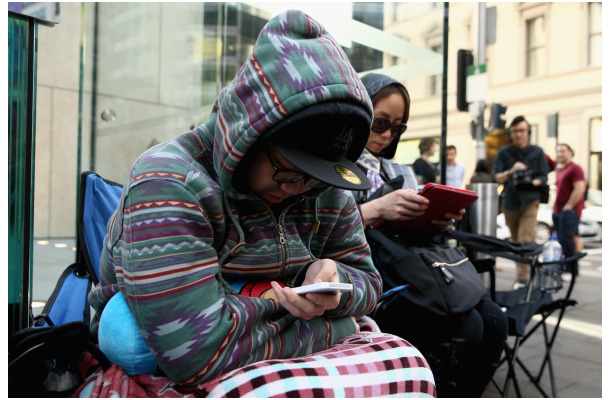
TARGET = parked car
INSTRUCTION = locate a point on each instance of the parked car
(588, 228)
(593, 206)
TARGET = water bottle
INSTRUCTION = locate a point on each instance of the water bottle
(551, 273)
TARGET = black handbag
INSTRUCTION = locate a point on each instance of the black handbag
(440, 279)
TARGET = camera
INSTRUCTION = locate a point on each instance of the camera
(522, 179)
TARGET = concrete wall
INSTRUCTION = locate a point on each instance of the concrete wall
(57, 125)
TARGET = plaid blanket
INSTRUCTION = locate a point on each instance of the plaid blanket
(366, 364)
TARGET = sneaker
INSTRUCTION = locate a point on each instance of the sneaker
(519, 284)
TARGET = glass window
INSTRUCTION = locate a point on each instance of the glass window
(595, 159)
(436, 82)
(157, 80)
(595, 34)
(536, 42)
(534, 134)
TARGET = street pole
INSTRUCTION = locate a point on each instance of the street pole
(443, 146)
(480, 130)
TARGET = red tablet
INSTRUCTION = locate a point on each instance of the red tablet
(443, 200)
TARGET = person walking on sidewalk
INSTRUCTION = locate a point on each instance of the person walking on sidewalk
(424, 169)
(569, 202)
(522, 168)
(455, 170)
(481, 172)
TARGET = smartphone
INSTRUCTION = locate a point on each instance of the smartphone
(323, 287)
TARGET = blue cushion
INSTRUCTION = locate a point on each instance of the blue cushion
(121, 340)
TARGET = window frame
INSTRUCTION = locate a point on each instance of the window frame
(536, 50)
(591, 35)
(530, 11)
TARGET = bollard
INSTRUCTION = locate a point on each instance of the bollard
(482, 214)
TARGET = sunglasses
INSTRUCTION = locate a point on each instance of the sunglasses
(283, 175)
(380, 125)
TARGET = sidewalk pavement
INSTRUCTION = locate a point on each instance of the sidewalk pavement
(577, 353)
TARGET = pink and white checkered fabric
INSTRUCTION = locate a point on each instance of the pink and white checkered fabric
(366, 364)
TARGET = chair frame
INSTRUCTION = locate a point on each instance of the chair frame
(545, 311)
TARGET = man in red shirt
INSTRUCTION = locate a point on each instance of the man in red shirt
(570, 186)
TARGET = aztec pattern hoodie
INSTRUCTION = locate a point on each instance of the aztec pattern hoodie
(182, 232)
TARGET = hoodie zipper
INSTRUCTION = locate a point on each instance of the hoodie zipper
(278, 225)
(447, 276)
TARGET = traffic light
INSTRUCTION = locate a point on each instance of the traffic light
(464, 60)
(496, 121)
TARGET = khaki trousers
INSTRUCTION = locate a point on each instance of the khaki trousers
(522, 225)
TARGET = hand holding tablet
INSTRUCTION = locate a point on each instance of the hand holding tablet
(443, 200)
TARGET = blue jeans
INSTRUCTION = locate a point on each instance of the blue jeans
(566, 225)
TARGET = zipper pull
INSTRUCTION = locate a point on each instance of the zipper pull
(447, 276)
(282, 238)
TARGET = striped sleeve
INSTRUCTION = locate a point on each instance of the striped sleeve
(346, 244)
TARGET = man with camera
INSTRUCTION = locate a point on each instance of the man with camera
(522, 168)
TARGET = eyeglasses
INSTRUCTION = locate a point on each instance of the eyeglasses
(380, 125)
(283, 175)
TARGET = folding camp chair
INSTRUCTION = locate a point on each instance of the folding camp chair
(98, 198)
(536, 298)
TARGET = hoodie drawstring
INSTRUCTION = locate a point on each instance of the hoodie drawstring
(235, 220)
(314, 228)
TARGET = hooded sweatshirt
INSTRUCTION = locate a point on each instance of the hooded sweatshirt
(182, 231)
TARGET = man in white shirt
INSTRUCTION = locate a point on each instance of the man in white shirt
(455, 171)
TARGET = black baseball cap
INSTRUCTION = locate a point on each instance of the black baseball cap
(324, 141)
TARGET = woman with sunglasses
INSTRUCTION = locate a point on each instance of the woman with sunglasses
(463, 351)
(391, 104)
(217, 226)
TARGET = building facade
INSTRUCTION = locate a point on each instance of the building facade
(545, 64)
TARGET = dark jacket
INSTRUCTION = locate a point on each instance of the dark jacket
(533, 157)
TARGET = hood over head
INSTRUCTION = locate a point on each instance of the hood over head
(298, 89)
(374, 83)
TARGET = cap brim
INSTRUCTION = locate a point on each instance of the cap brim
(343, 174)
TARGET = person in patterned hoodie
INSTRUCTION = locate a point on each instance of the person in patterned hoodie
(216, 226)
